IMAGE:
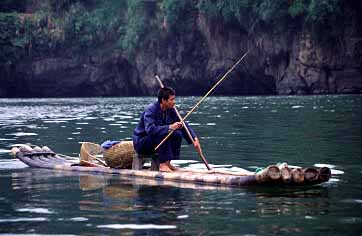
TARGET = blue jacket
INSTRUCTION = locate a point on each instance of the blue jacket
(155, 123)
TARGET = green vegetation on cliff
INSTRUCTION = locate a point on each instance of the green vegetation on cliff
(11, 41)
(30, 28)
(323, 16)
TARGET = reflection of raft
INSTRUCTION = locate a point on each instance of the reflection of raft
(272, 175)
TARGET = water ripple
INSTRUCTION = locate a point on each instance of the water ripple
(20, 134)
(36, 219)
(137, 226)
(35, 210)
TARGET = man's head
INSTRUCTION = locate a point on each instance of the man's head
(166, 97)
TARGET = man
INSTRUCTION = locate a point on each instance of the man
(158, 119)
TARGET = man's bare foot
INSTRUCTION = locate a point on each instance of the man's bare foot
(164, 167)
(173, 168)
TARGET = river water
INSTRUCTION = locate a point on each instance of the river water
(246, 132)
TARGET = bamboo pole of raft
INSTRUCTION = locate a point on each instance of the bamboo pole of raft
(204, 97)
(269, 174)
(298, 175)
(199, 151)
(324, 174)
(310, 174)
(89, 164)
(286, 174)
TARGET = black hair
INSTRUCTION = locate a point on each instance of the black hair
(165, 93)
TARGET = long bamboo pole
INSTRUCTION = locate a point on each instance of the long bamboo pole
(204, 97)
(199, 151)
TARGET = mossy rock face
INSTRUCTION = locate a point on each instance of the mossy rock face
(120, 156)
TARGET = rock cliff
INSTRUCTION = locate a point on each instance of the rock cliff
(278, 63)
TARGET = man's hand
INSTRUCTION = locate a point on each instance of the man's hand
(176, 125)
(197, 145)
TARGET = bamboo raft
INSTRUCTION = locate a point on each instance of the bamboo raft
(271, 175)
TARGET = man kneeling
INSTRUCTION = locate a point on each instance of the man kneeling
(157, 120)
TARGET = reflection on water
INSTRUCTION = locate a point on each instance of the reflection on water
(288, 202)
(246, 132)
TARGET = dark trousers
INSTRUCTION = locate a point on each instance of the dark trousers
(169, 150)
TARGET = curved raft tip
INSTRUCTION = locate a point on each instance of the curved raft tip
(14, 150)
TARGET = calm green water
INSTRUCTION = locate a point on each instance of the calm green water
(246, 132)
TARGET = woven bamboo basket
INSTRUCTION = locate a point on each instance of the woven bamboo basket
(89, 151)
(120, 156)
